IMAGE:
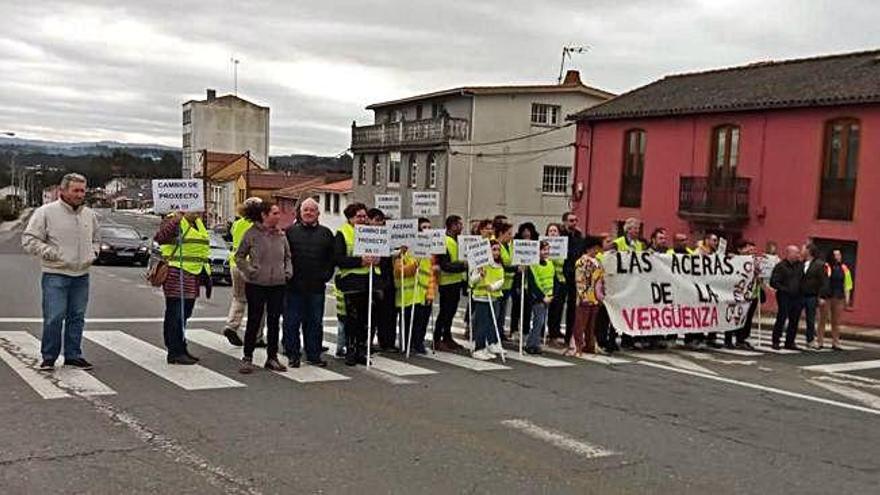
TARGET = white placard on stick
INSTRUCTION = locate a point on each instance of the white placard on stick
(184, 195)
(371, 240)
(389, 204)
(465, 242)
(526, 252)
(402, 232)
(558, 246)
(722, 245)
(479, 255)
(422, 247)
(425, 203)
(438, 241)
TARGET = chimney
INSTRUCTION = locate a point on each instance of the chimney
(212, 93)
(572, 78)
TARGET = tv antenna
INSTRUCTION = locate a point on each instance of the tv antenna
(235, 63)
(567, 51)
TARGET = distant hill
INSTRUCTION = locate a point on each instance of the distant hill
(311, 163)
(140, 150)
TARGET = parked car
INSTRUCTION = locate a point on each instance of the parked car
(120, 244)
(220, 272)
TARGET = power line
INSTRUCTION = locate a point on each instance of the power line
(512, 153)
(517, 138)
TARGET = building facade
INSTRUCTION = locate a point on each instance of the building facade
(777, 151)
(486, 150)
(225, 124)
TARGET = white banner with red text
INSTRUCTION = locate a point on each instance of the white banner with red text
(658, 294)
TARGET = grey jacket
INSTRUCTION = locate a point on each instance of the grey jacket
(264, 257)
(65, 240)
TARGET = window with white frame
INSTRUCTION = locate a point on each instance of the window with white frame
(394, 168)
(335, 202)
(377, 171)
(362, 171)
(544, 114)
(431, 179)
(555, 180)
(413, 171)
(326, 202)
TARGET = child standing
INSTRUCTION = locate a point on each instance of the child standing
(487, 283)
(540, 285)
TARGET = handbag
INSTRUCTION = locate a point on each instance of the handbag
(157, 271)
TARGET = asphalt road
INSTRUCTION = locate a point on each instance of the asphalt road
(653, 422)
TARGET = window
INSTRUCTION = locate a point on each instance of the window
(431, 179)
(336, 203)
(377, 171)
(545, 114)
(326, 202)
(394, 168)
(633, 168)
(839, 170)
(187, 116)
(725, 153)
(437, 110)
(555, 180)
(418, 112)
(187, 140)
(241, 195)
(362, 170)
(413, 171)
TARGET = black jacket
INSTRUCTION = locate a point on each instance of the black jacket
(311, 249)
(576, 243)
(813, 282)
(352, 283)
(786, 277)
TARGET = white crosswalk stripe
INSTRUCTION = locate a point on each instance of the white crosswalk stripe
(525, 358)
(303, 374)
(390, 366)
(76, 380)
(844, 367)
(152, 359)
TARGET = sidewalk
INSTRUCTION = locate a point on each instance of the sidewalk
(847, 332)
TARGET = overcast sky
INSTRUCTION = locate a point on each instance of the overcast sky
(120, 69)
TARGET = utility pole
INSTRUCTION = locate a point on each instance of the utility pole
(566, 52)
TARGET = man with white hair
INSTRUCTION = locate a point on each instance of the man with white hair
(64, 235)
(239, 302)
(311, 248)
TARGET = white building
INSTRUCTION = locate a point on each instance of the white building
(225, 124)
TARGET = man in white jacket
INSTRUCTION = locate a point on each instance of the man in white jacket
(64, 235)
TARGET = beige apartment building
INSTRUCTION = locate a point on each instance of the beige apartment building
(485, 149)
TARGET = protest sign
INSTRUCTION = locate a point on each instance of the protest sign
(722, 245)
(402, 232)
(425, 203)
(438, 241)
(421, 248)
(558, 246)
(765, 265)
(371, 240)
(464, 245)
(525, 252)
(658, 294)
(389, 204)
(479, 255)
(184, 195)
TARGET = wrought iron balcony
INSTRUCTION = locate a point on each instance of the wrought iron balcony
(714, 200)
(837, 199)
(409, 133)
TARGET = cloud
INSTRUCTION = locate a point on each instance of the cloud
(120, 69)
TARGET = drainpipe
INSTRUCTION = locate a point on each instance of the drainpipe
(471, 160)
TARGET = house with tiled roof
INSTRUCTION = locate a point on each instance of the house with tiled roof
(776, 151)
(332, 197)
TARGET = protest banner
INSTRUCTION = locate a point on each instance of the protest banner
(659, 294)
(389, 204)
(479, 255)
(464, 245)
(525, 252)
(421, 248)
(371, 240)
(558, 246)
(170, 195)
(425, 203)
(438, 241)
(402, 232)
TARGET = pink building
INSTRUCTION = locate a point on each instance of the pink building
(772, 151)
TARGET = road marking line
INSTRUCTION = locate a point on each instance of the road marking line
(763, 388)
(381, 368)
(71, 378)
(303, 374)
(391, 366)
(771, 350)
(670, 359)
(40, 383)
(869, 400)
(850, 366)
(463, 361)
(558, 439)
(525, 358)
(152, 359)
(702, 356)
(593, 358)
(735, 352)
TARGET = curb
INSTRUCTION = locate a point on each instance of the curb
(857, 334)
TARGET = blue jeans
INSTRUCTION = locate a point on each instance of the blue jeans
(484, 327)
(65, 299)
(306, 310)
(811, 303)
(500, 315)
(539, 316)
(340, 334)
(173, 328)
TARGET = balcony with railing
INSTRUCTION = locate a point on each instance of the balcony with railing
(714, 200)
(409, 133)
(837, 199)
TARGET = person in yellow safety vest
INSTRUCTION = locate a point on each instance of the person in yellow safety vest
(706, 247)
(185, 244)
(487, 282)
(540, 290)
(630, 238)
(560, 291)
(504, 236)
(416, 295)
(659, 242)
(452, 281)
(352, 280)
(238, 303)
(340, 322)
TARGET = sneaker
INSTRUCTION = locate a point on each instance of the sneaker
(317, 362)
(272, 364)
(496, 349)
(483, 355)
(78, 363)
(293, 362)
(246, 367)
(232, 336)
(47, 365)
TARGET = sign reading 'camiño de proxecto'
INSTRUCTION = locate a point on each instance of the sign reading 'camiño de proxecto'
(184, 195)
